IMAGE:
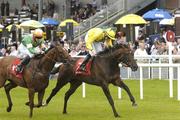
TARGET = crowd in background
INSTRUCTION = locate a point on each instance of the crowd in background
(80, 12)
(159, 45)
(141, 46)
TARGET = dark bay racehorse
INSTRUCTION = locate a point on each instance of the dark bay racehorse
(104, 70)
(35, 75)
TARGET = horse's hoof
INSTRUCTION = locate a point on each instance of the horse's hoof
(117, 116)
(134, 105)
(64, 112)
(37, 106)
(30, 116)
(27, 103)
(9, 109)
(44, 104)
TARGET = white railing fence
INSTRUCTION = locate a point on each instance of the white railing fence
(151, 62)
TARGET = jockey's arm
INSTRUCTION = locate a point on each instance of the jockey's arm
(89, 39)
(43, 47)
(89, 45)
(108, 43)
(27, 42)
(32, 50)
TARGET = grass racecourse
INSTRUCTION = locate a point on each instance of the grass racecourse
(156, 104)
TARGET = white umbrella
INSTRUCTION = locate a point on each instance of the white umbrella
(1, 26)
(31, 23)
(167, 21)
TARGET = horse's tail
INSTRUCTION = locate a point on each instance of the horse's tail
(55, 69)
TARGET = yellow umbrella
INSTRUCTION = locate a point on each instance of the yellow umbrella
(31, 23)
(10, 26)
(63, 23)
(131, 19)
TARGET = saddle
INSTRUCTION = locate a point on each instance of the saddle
(13, 68)
(88, 67)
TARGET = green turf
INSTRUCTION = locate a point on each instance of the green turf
(156, 104)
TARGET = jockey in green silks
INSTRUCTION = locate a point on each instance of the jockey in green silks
(30, 45)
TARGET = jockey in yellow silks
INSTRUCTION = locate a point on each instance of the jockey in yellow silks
(95, 39)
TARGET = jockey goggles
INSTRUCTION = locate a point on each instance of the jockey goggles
(110, 33)
(107, 36)
(38, 37)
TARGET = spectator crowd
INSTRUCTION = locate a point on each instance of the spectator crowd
(142, 45)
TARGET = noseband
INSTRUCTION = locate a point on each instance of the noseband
(124, 61)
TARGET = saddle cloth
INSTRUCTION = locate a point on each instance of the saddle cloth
(13, 68)
(88, 67)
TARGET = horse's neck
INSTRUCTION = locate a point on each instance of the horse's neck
(46, 64)
(107, 62)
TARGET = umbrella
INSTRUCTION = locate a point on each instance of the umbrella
(167, 21)
(1, 26)
(31, 23)
(10, 26)
(131, 19)
(63, 23)
(157, 14)
(49, 21)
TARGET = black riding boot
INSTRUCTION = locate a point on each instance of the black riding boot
(83, 65)
(24, 62)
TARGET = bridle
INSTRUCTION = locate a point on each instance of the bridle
(124, 60)
(45, 55)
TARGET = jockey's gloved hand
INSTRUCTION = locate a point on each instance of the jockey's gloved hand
(42, 52)
(43, 49)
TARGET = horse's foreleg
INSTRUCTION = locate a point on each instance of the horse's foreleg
(7, 88)
(31, 101)
(126, 88)
(121, 84)
(40, 98)
(59, 85)
(74, 85)
(109, 97)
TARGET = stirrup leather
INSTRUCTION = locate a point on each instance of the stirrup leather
(19, 69)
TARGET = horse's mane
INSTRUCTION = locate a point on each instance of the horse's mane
(112, 49)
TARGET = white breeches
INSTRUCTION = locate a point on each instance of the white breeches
(23, 51)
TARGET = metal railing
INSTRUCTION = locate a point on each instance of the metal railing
(101, 16)
(112, 11)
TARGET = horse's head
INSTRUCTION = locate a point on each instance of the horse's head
(62, 54)
(126, 57)
(59, 53)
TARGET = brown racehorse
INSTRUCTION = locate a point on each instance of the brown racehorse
(104, 70)
(35, 75)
